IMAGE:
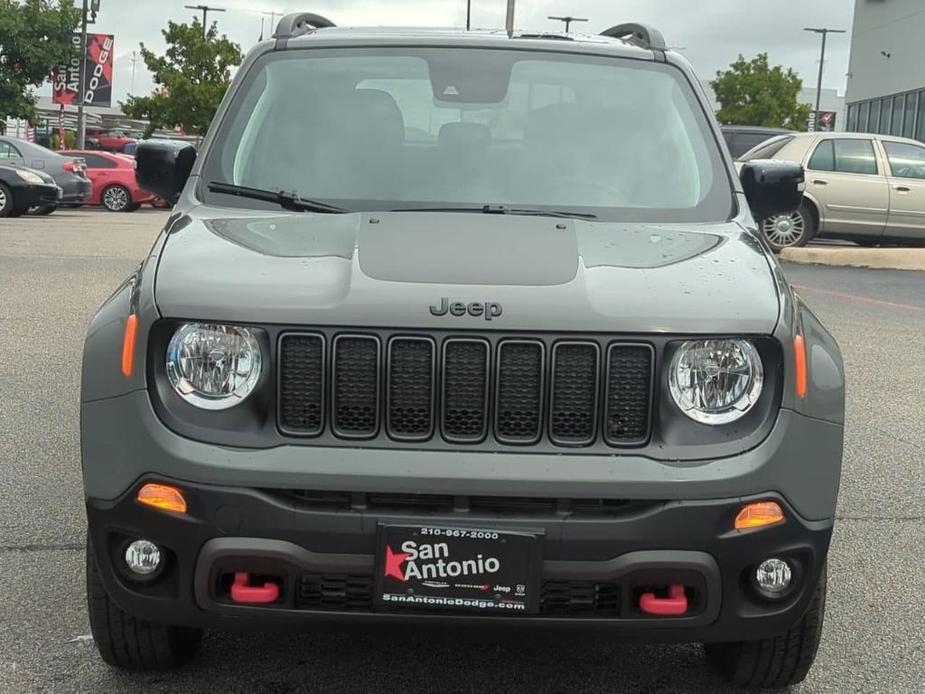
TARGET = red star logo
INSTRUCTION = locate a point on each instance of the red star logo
(393, 562)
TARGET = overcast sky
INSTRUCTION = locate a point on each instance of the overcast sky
(711, 33)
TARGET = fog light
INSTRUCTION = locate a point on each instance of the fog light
(773, 575)
(142, 557)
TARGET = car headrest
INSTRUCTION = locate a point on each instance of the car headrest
(376, 112)
(464, 136)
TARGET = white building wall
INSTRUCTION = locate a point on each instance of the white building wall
(895, 28)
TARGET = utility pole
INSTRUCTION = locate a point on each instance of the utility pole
(205, 9)
(825, 32)
(509, 19)
(468, 14)
(272, 15)
(134, 59)
(568, 20)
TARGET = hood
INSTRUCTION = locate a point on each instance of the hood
(436, 269)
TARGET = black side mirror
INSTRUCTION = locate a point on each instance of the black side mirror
(772, 186)
(162, 167)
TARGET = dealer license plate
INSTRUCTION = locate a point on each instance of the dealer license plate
(440, 568)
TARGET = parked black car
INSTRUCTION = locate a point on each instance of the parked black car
(741, 138)
(22, 188)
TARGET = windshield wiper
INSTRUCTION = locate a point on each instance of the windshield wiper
(285, 199)
(503, 209)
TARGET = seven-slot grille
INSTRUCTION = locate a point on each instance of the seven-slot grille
(516, 391)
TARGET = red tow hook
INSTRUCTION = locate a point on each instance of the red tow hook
(675, 604)
(252, 595)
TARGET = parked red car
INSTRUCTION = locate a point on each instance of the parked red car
(113, 178)
(111, 140)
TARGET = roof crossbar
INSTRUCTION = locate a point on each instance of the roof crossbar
(641, 35)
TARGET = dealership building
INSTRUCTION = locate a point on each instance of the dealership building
(886, 72)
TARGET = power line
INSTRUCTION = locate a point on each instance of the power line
(568, 20)
(205, 9)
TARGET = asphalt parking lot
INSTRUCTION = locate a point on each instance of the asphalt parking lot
(55, 271)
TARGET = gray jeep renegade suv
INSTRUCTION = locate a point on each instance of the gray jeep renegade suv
(462, 326)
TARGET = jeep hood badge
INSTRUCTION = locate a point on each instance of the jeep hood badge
(488, 309)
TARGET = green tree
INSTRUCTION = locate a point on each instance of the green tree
(35, 36)
(754, 93)
(193, 74)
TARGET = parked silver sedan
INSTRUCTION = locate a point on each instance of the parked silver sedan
(862, 187)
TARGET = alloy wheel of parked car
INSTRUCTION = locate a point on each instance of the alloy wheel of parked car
(116, 199)
(788, 230)
(6, 201)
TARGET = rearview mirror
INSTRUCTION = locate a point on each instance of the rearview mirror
(162, 167)
(772, 187)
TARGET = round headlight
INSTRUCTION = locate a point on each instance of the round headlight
(213, 366)
(716, 381)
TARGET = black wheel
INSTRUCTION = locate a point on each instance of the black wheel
(789, 230)
(44, 209)
(6, 201)
(777, 662)
(134, 206)
(116, 198)
(130, 643)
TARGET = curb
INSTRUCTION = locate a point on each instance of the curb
(880, 258)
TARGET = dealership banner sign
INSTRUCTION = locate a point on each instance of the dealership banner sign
(66, 78)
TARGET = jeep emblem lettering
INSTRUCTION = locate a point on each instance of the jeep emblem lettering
(487, 309)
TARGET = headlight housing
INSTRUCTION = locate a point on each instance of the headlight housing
(716, 381)
(213, 366)
(29, 177)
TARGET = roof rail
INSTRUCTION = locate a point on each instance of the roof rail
(299, 23)
(640, 34)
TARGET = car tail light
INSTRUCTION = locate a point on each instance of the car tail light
(72, 167)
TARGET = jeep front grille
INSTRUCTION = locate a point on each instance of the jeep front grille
(502, 390)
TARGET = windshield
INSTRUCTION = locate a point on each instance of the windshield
(407, 128)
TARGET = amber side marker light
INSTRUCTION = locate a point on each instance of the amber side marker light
(799, 360)
(759, 514)
(128, 345)
(163, 497)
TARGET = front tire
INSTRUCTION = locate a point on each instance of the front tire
(43, 210)
(127, 642)
(116, 198)
(789, 230)
(777, 662)
(7, 205)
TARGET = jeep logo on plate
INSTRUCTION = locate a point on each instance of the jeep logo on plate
(488, 309)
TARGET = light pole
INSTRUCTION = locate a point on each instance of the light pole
(205, 9)
(509, 18)
(134, 59)
(468, 14)
(825, 32)
(568, 20)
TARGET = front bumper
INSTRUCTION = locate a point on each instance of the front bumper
(321, 553)
(34, 194)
